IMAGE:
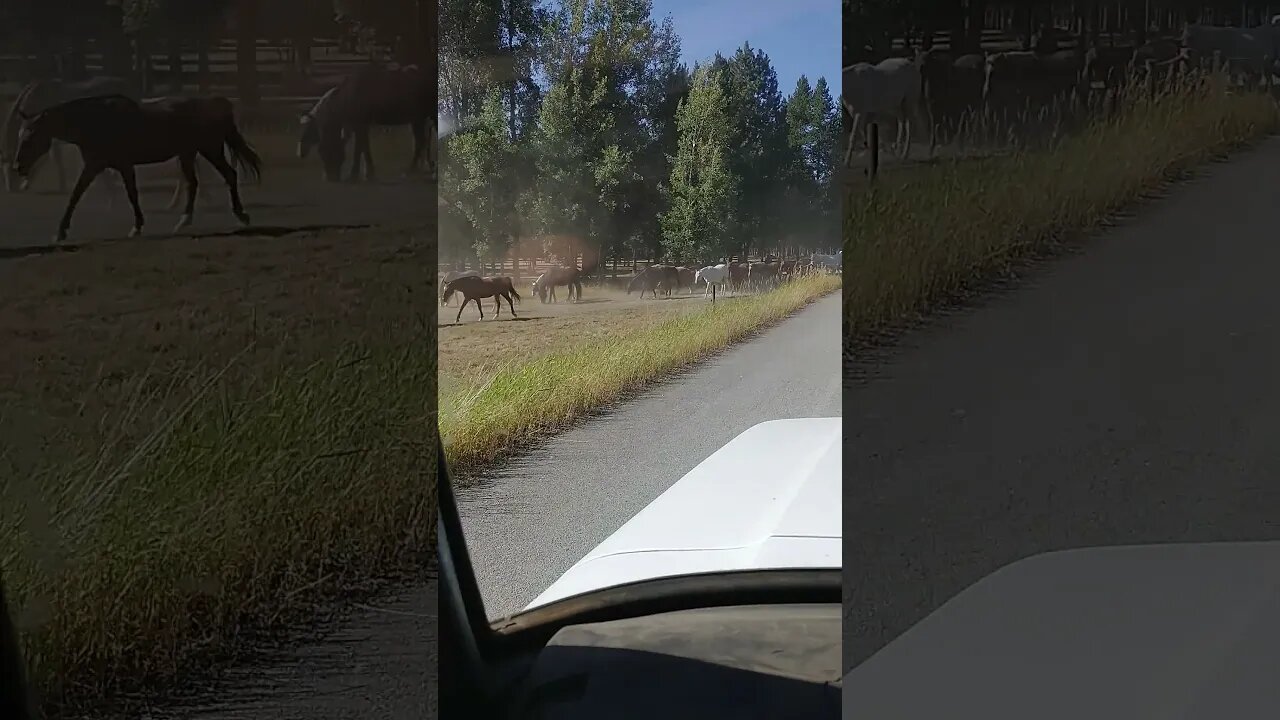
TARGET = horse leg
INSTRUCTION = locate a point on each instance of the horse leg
(130, 178)
(177, 188)
(509, 304)
(87, 174)
(465, 300)
(62, 169)
(228, 173)
(187, 163)
(363, 139)
(419, 146)
(853, 136)
(480, 307)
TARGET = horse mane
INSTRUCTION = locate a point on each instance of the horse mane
(9, 146)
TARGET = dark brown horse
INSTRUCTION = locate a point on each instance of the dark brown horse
(559, 276)
(738, 272)
(373, 95)
(118, 133)
(653, 277)
(478, 288)
(686, 276)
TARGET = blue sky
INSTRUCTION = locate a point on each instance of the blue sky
(801, 37)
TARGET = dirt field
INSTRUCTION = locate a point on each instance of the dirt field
(79, 324)
(291, 197)
(81, 329)
(469, 347)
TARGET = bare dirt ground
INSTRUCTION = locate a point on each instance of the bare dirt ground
(470, 346)
(292, 197)
(83, 324)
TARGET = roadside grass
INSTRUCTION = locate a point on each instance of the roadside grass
(199, 502)
(486, 413)
(918, 238)
(467, 349)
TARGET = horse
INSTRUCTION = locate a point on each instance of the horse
(686, 277)
(762, 275)
(1245, 49)
(40, 95)
(316, 125)
(373, 95)
(477, 288)
(654, 277)
(830, 262)
(894, 88)
(712, 275)
(454, 275)
(119, 133)
(555, 276)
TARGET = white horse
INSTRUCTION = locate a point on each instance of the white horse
(831, 262)
(712, 274)
(454, 275)
(894, 89)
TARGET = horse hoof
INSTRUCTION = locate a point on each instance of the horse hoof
(243, 218)
(60, 238)
(183, 222)
(135, 232)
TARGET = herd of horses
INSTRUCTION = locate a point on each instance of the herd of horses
(942, 91)
(658, 278)
(114, 128)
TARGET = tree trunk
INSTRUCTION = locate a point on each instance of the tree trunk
(175, 62)
(958, 36)
(142, 63)
(977, 19)
(247, 52)
(202, 62)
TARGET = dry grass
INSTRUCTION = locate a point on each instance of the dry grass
(919, 236)
(201, 434)
(473, 348)
(491, 409)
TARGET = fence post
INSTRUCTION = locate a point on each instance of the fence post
(874, 151)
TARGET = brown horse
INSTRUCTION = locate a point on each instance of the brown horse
(477, 288)
(654, 277)
(556, 276)
(117, 132)
(687, 276)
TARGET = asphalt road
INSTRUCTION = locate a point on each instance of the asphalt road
(527, 524)
(1124, 394)
(288, 199)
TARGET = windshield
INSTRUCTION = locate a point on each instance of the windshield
(639, 255)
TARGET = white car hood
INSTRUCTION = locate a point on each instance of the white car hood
(1183, 631)
(768, 499)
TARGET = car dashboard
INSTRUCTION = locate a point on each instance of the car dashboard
(742, 662)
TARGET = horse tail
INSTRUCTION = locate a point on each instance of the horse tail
(512, 287)
(243, 153)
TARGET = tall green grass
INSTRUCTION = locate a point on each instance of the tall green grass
(136, 555)
(482, 417)
(913, 242)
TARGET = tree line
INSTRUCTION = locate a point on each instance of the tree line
(579, 125)
(872, 26)
(54, 37)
